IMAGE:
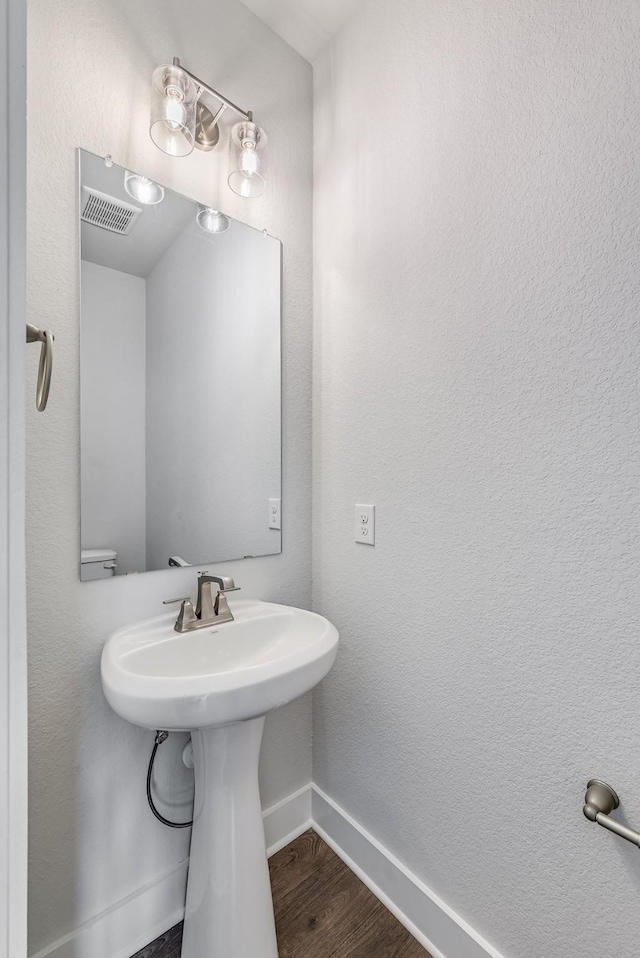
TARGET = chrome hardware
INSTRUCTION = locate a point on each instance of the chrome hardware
(46, 337)
(205, 88)
(599, 800)
(187, 618)
(208, 611)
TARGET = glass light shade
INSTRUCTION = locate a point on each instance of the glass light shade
(247, 159)
(174, 97)
(212, 221)
(142, 189)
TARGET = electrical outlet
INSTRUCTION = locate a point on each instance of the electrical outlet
(365, 524)
(274, 513)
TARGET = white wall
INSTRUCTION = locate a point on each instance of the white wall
(478, 347)
(112, 424)
(93, 839)
(213, 397)
(13, 639)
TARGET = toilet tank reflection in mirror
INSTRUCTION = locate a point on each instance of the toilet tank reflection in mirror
(180, 380)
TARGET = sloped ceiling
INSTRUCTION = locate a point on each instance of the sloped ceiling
(306, 25)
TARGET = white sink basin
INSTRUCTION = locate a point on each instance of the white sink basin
(219, 682)
(270, 654)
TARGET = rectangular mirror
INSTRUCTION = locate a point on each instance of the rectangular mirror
(180, 380)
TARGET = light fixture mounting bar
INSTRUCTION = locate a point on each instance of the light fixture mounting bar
(246, 114)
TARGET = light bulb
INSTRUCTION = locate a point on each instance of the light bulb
(174, 113)
(142, 189)
(246, 187)
(249, 162)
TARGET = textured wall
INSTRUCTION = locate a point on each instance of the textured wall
(478, 347)
(93, 839)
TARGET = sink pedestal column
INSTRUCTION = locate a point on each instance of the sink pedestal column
(229, 911)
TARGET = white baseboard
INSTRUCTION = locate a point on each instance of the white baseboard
(423, 913)
(288, 819)
(128, 925)
(134, 922)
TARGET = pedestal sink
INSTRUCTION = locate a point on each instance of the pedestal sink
(219, 683)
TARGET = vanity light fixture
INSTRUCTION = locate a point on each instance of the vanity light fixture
(212, 221)
(142, 189)
(180, 121)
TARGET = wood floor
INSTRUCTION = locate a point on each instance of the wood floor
(322, 911)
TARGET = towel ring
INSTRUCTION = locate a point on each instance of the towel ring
(45, 367)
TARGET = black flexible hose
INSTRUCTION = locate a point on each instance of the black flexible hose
(160, 738)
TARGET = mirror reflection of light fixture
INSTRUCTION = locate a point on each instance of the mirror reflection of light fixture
(142, 189)
(212, 221)
(246, 159)
(180, 121)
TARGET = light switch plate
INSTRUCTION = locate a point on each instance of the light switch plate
(365, 524)
(274, 513)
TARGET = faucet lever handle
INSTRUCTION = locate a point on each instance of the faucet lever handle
(187, 617)
(182, 598)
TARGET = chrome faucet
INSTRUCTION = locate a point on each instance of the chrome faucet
(208, 611)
